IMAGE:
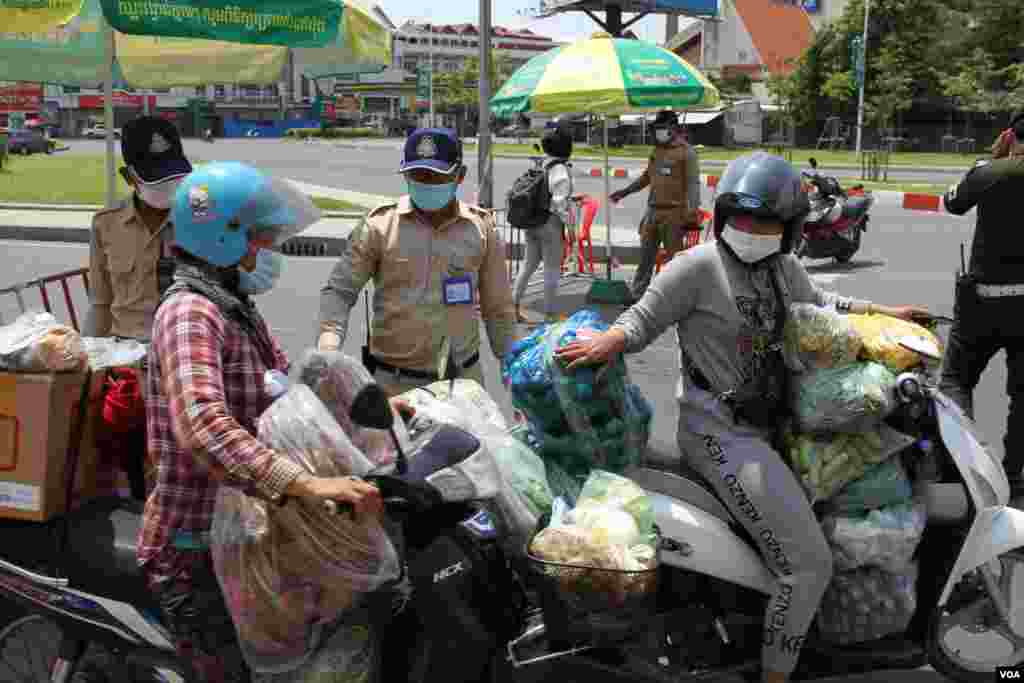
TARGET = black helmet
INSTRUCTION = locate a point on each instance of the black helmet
(665, 118)
(557, 142)
(760, 184)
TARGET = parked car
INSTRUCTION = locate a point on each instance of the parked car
(100, 132)
(28, 141)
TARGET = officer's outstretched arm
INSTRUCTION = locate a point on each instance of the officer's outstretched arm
(355, 268)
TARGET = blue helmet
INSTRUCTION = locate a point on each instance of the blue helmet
(220, 207)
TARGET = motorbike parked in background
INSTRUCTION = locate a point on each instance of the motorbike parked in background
(837, 219)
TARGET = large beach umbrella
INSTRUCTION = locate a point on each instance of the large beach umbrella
(185, 43)
(605, 76)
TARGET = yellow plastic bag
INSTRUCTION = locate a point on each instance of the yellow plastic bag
(881, 334)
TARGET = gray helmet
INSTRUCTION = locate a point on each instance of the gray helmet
(760, 184)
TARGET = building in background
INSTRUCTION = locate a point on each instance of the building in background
(240, 109)
(752, 38)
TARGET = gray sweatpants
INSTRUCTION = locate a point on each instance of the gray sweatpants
(543, 244)
(764, 495)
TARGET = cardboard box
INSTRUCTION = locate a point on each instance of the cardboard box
(37, 416)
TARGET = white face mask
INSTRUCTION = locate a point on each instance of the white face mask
(662, 135)
(159, 195)
(751, 248)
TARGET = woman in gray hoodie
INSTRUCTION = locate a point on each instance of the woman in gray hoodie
(724, 298)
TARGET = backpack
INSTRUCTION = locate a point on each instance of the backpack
(529, 200)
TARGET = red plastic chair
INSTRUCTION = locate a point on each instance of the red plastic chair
(585, 208)
(692, 240)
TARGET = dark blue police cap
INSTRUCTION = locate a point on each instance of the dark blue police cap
(435, 149)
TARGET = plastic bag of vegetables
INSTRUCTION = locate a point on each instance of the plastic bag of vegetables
(882, 485)
(610, 491)
(885, 538)
(816, 338)
(585, 419)
(847, 399)
(881, 335)
(826, 464)
(867, 604)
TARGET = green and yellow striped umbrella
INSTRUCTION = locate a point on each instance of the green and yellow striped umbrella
(605, 75)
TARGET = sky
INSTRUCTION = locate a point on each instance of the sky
(513, 14)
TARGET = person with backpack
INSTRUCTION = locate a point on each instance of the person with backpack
(673, 175)
(539, 206)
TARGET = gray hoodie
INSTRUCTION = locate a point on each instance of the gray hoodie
(724, 311)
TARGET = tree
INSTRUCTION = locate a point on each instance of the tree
(891, 89)
(783, 86)
(462, 88)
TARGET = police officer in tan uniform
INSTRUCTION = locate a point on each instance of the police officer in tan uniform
(129, 264)
(674, 178)
(129, 268)
(437, 265)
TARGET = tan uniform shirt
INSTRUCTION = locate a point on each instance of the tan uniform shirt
(670, 171)
(409, 261)
(123, 255)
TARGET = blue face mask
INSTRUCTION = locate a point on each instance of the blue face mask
(431, 197)
(264, 276)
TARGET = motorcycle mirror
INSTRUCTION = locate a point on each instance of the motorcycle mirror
(813, 162)
(372, 409)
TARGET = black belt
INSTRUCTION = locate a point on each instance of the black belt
(420, 374)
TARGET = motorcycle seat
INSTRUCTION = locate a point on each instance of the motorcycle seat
(102, 539)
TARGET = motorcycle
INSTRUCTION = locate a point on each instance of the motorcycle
(83, 588)
(476, 612)
(837, 219)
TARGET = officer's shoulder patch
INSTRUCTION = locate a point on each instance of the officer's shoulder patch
(109, 212)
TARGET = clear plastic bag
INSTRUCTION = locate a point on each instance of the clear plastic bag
(885, 538)
(881, 335)
(611, 527)
(337, 379)
(589, 418)
(36, 342)
(847, 399)
(520, 494)
(107, 352)
(882, 485)
(287, 570)
(867, 604)
(815, 338)
(825, 464)
(610, 490)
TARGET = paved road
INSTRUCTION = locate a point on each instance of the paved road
(372, 168)
(907, 258)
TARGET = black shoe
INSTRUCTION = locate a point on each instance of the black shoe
(1017, 492)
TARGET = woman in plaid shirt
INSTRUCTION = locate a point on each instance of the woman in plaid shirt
(209, 354)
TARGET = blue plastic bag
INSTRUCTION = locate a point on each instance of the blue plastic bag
(582, 419)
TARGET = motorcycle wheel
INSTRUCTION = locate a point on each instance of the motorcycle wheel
(979, 625)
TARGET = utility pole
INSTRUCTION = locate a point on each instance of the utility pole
(863, 75)
(430, 56)
(485, 181)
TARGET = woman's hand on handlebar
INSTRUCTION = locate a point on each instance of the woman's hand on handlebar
(364, 497)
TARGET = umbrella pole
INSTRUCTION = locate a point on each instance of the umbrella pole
(108, 108)
(607, 202)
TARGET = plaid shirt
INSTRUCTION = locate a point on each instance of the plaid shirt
(204, 396)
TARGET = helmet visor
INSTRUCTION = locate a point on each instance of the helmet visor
(278, 212)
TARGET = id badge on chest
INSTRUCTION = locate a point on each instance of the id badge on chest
(665, 168)
(458, 290)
